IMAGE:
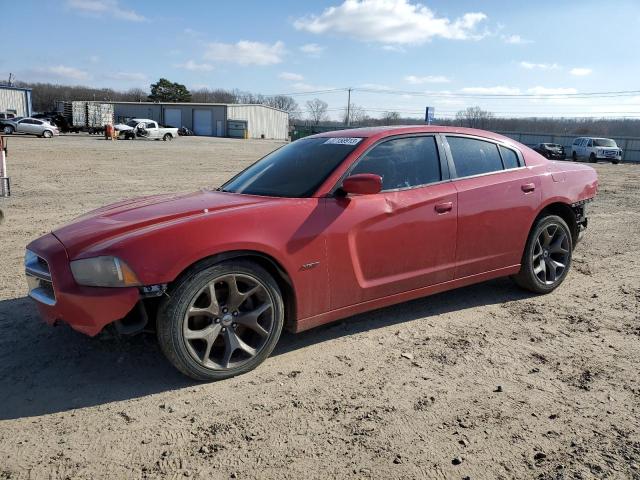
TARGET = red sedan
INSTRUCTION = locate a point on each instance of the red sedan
(323, 228)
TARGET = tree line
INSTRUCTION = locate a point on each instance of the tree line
(315, 112)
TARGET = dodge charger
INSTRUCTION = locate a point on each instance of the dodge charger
(322, 228)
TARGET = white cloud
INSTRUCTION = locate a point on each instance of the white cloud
(193, 33)
(539, 66)
(246, 53)
(551, 91)
(105, 7)
(393, 48)
(415, 80)
(194, 67)
(64, 72)
(375, 86)
(312, 49)
(390, 22)
(515, 39)
(94, 58)
(499, 90)
(306, 87)
(293, 77)
(128, 76)
(580, 72)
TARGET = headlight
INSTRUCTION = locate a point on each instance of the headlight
(103, 272)
(30, 258)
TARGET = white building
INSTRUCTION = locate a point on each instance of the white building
(211, 119)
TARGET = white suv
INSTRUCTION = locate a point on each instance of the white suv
(595, 149)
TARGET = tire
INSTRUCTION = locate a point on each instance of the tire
(47, 134)
(167, 137)
(209, 340)
(615, 162)
(7, 130)
(574, 157)
(540, 271)
(592, 158)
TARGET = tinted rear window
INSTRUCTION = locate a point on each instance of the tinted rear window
(296, 170)
(474, 157)
(509, 157)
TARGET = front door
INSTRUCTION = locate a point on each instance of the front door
(400, 239)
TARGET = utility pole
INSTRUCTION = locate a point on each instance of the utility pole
(348, 107)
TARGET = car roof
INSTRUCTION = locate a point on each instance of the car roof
(385, 131)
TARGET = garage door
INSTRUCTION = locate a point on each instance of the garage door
(173, 117)
(203, 122)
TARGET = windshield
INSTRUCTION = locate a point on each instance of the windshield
(131, 123)
(604, 142)
(295, 170)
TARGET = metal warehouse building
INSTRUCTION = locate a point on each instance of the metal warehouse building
(211, 119)
(15, 100)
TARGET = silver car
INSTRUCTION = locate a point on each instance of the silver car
(34, 126)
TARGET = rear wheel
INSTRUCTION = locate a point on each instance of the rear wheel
(167, 137)
(221, 321)
(547, 255)
(47, 134)
(574, 157)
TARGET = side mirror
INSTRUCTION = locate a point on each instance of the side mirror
(362, 184)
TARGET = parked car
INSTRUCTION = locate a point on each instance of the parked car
(32, 126)
(552, 151)
(323, 228)
(594, 149)
(145, 128)
(7, 115)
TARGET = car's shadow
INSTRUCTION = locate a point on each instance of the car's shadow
(46, 370)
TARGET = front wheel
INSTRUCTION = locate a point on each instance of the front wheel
(7, 130)
(593, 158)
(221, 321)
(547, 255)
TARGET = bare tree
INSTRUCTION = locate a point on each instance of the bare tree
(358, 115)
(317, 110)
(218, 95)
(286, 103)
(135, 95)
(474, 117)
(391, 118)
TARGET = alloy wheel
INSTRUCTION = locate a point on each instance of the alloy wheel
(550, 254)
(228, 321)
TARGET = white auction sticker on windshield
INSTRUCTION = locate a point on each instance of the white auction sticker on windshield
(343, 141)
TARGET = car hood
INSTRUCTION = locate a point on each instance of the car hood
(121, 218)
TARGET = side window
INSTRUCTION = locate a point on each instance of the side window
(403, 162)
(590, 144)
(473, 157)
(36, 122)
(509, 157)
(151, 125)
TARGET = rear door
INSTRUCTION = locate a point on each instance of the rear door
(497, 199)
(402, 238)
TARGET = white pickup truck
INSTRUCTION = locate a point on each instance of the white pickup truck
(145, 128)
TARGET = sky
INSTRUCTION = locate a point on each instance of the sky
(513, 58)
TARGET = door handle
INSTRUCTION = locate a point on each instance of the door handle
(444, 207)
(528, 187)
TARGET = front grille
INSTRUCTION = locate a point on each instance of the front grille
(610, 153)
(39, 279)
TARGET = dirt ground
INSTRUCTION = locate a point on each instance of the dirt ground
(483, 382)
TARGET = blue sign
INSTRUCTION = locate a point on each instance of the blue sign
(429, 115)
